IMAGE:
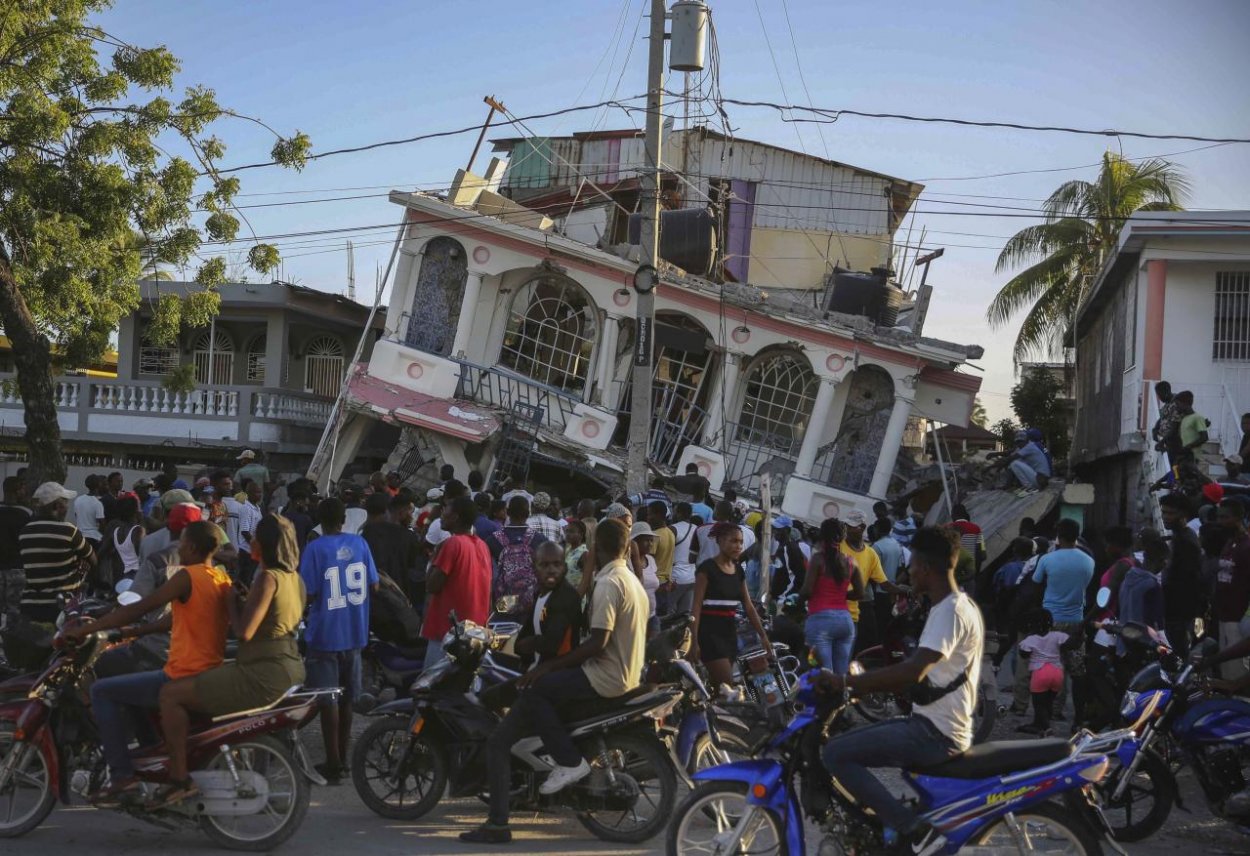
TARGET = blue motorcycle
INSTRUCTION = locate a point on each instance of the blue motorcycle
(997, 795)
(1178, 722)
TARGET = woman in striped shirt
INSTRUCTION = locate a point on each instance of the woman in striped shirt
(719, 589)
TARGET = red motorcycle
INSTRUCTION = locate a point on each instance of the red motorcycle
(251, 769)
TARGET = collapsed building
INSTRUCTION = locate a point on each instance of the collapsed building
(782, 345)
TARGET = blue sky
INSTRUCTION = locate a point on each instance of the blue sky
(354, 73)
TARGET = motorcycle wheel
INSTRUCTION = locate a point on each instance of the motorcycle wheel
(714, 809)
(1144, 806)
(649, 764)
(986, 713)
(289, 794)
(28, 798)
(1055, 825)
(388, 748)
(704, 755)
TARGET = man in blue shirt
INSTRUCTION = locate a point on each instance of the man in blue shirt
(1066, 572)
(338, 573)
(1028, 463)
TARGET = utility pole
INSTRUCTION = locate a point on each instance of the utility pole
(646, 277)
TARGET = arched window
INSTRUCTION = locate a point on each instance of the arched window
(214, 357)
(323, 366)
(436, 299)
(777, 402)
(551, 334)
(256, 359)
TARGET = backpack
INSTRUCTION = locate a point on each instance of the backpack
(514, 570)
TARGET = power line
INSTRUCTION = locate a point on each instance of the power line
(831, 115)
(1067, 168)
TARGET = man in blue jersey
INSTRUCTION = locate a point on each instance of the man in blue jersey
(338, 573)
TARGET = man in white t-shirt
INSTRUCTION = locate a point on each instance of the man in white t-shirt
(88, 512)
(708, 548)
(942, 675)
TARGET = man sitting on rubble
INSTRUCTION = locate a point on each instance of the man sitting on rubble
(1027, 462)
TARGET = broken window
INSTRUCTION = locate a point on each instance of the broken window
(551, 334)
(780, 392)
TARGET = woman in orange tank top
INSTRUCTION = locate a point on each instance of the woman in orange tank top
(197, 593)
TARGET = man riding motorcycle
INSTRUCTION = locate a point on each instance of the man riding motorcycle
(606, 665)
(942, 676)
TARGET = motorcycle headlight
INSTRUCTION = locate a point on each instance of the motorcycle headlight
(1129, 704)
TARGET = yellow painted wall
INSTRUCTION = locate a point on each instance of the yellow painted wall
(788, 258)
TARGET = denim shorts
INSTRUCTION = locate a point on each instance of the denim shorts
(325, 669)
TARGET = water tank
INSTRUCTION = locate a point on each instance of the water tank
(868, 294)
(687, 238)
(689, 35)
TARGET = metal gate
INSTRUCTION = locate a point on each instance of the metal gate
(323, 367)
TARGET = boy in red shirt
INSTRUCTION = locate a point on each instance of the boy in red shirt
(458, 579)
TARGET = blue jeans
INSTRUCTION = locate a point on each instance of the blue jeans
(325, 669)
(831, 634)
(899, 744)
(112, 703)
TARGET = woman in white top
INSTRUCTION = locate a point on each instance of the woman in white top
(644, 564)
(125, 535)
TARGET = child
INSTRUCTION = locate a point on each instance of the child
(575, 538)
(1043, 646)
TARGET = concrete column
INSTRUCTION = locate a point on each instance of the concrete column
(468, 309)
(721, 407)
(128, 345)
(277, 348)
(815, 428)
(892, 443)
(606, 363)
(1156, 294)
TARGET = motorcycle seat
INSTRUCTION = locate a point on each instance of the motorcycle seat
(578, 714)
(999, 757)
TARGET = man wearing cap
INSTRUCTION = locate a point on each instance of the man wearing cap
(541, 522)
(143, 492)
(871, 574)
(159, 539)
(55, 554)
(250, 470)
(1027, 462)
(789, 568)
(1234, 475)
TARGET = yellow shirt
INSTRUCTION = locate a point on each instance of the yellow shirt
(868, 566)
(665, 544)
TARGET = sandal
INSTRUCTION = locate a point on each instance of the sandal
(116, 793)
(173, 793)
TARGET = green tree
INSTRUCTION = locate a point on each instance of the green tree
(1036, 402)
(102, 177)
(1082, 225)
(979, 417)
(1005, 430)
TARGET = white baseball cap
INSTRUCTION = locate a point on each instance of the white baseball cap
(49, 492)
(246, 455)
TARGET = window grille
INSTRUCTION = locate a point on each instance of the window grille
(256, 359)
(157, 361)
(222, 357)
(1231, 341)
(323, 366)
(551, 334)
(780, 394)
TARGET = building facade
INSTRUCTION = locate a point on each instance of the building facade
(1173, 303)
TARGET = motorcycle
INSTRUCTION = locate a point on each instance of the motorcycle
(1178, 722)
(250, 767)
(997, 795)
(900, 637)
(435, 743)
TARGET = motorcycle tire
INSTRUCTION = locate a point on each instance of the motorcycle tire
(987, 713)
(41, 806)
(274, 750)
(736, 747)
(375, 755)
(1056, 817)
(1157, 780)
(705, 805)
(651, 755)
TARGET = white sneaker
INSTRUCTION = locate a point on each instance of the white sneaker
(562, 777)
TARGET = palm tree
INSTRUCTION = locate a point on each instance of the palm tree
(1082, 225)
(979, 417)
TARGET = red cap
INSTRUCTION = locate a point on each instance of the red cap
(1214, 492)
(182, 515)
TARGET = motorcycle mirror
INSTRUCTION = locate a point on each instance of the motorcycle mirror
(126, 598)
(1104, 597)
(123, 585)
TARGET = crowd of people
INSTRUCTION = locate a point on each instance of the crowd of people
(229, 553)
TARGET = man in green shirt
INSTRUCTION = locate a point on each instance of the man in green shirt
(1193, 429)
(250, 470)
